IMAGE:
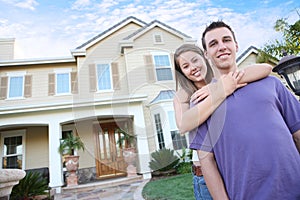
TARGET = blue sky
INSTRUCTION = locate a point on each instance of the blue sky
(52, 28)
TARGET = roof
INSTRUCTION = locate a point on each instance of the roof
(36, 61)
(127, 41)
(163, 95)
(153, 24)
(111, 30)
(246, 53)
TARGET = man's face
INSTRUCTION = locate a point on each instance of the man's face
(221, 49)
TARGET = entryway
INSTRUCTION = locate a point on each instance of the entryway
(109, 158)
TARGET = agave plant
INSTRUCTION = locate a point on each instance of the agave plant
(163, 160)
(30, 186)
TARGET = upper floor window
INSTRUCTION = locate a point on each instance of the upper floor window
(15, 88)
(104, 77)
(158, 67)
(157, 38)
(63, 85)
(62, 81)
(162, 67)
(15, 85)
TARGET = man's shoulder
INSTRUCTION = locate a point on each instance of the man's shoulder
(269, 78)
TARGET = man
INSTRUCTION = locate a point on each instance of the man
(247, 147)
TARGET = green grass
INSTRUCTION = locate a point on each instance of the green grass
(178, 187)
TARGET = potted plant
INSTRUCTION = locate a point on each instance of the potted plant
(66, 148)
(127, 143)
(127, 140)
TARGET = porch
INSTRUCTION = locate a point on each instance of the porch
(119, 188)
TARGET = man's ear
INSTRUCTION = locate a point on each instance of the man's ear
(205, 54)
(237, 46)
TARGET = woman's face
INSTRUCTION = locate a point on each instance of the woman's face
(193, 66)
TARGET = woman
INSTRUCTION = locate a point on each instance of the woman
(193, 73)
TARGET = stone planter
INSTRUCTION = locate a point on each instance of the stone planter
(130, 158)
(72, 164)
(8, 179)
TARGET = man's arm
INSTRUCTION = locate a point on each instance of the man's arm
(296, 137)
(212, 176)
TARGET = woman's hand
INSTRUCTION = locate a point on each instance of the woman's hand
(200, 94)
(230, 82)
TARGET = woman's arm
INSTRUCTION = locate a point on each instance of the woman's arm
(255, 72)
(189, 118)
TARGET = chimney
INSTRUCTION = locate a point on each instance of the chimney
(7, 48)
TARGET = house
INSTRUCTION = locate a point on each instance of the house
(121, 78)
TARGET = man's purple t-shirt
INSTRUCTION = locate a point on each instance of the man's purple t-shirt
(250, 135)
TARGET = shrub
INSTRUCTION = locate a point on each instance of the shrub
(184, 167)
(31, 185)
(163, 160)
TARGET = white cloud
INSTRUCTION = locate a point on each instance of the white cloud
(80, 4)
(54, 35)
(27, 4)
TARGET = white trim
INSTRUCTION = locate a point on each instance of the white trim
(14, 133)
(39, 61)
(17, 73)
(62, 70)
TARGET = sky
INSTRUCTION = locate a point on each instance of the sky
(51, 29)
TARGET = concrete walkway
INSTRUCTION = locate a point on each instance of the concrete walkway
(121, 188)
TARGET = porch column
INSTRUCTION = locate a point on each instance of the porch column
(142, 145)
(55, 164)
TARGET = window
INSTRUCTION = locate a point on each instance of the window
(104, 80)
(159, 131)
(179, 142)
(16, 85)
(162, 67)
(13, 150)
(158, 39)
(63, 83)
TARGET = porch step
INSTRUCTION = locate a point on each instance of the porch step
(101, 184)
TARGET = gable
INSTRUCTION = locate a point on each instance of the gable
(154, 25)
(130, 21)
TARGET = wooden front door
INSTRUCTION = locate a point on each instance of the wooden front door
(109, 159)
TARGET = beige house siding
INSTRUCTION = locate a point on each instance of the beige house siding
(250, 60)
(39, 86)
(85, 131)
(37, 147)
(170, 41)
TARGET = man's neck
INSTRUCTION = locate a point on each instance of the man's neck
(226, 71)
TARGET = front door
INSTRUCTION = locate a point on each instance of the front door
(109, 159)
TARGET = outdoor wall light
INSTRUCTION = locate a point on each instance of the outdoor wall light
(289, 68)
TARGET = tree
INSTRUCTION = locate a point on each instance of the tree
(290, 43)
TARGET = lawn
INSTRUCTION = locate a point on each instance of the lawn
(179, 187)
